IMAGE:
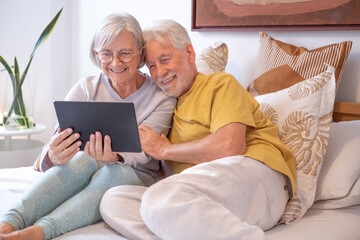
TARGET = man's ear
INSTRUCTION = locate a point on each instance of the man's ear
(190, 52)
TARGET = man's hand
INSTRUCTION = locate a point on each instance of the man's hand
(152, 143)
(94, 148)
(229, 140)
(62, 147)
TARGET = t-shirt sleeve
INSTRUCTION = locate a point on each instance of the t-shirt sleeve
(230, 103)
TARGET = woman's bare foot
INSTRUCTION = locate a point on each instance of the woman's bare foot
(30, 233)
(6, 228)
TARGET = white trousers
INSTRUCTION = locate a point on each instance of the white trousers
(230, 198)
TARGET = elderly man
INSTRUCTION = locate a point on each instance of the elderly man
(232, 174)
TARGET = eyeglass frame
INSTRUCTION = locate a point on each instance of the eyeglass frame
(118, 56)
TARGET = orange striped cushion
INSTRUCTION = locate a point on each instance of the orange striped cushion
(280, 65)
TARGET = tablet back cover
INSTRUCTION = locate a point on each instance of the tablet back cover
(116, 119)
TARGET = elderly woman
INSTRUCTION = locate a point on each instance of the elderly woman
(67, 196)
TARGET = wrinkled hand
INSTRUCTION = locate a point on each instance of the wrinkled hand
(94, 148)
(152, 143)
(61, 147)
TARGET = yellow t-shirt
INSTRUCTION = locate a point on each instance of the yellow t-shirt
(218, 99)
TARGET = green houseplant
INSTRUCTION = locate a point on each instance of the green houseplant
(17, 110)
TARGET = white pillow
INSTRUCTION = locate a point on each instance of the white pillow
(213, 58)
(303, 114)
(350, 199)
(341, 167)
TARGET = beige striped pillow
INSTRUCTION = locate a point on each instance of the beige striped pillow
(280, 65)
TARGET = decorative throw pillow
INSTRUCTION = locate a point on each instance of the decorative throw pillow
(280, 65)
(213, 58)
(341, 168)
(303, 114)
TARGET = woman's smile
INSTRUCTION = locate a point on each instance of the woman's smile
(115, 70)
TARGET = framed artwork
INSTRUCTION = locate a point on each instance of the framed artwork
(275, 14)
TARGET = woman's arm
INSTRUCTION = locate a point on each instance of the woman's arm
(53, 152)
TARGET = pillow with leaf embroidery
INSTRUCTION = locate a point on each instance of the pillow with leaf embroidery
(213, 58)
(303, 114)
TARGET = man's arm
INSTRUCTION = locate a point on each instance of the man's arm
(229, 140)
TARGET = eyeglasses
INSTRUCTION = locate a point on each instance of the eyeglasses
(107, 57)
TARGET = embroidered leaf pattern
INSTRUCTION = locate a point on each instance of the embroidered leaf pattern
(292, 210)
(270, 112)
(216, 58)
(305, 88)
(308, 149)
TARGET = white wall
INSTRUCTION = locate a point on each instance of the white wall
(243, 46)
(64, 58)
(21, 23)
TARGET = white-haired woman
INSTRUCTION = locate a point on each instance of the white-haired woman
(68, 195)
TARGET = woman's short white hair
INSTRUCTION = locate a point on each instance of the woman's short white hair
(166, 31)
(110, 28)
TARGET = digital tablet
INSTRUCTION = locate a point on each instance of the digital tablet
(116, 119)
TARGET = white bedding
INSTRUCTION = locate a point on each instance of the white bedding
(317, 224)
(329, 224)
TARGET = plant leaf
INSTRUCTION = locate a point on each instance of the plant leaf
(8, 68)
(18, 89)
(45, 34)
(17, 97)
(11, 74)
(17, 104)
(16, 74)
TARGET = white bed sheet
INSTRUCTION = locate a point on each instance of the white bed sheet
(329, 224)
(317, 224)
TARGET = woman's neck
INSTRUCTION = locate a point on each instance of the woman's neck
(124, 90)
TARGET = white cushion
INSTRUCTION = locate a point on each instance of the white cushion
(350, 199)
(341, 167)
(303, 114)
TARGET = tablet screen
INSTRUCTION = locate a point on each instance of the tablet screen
(116, 119)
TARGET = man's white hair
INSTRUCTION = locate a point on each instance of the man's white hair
(166, 31)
